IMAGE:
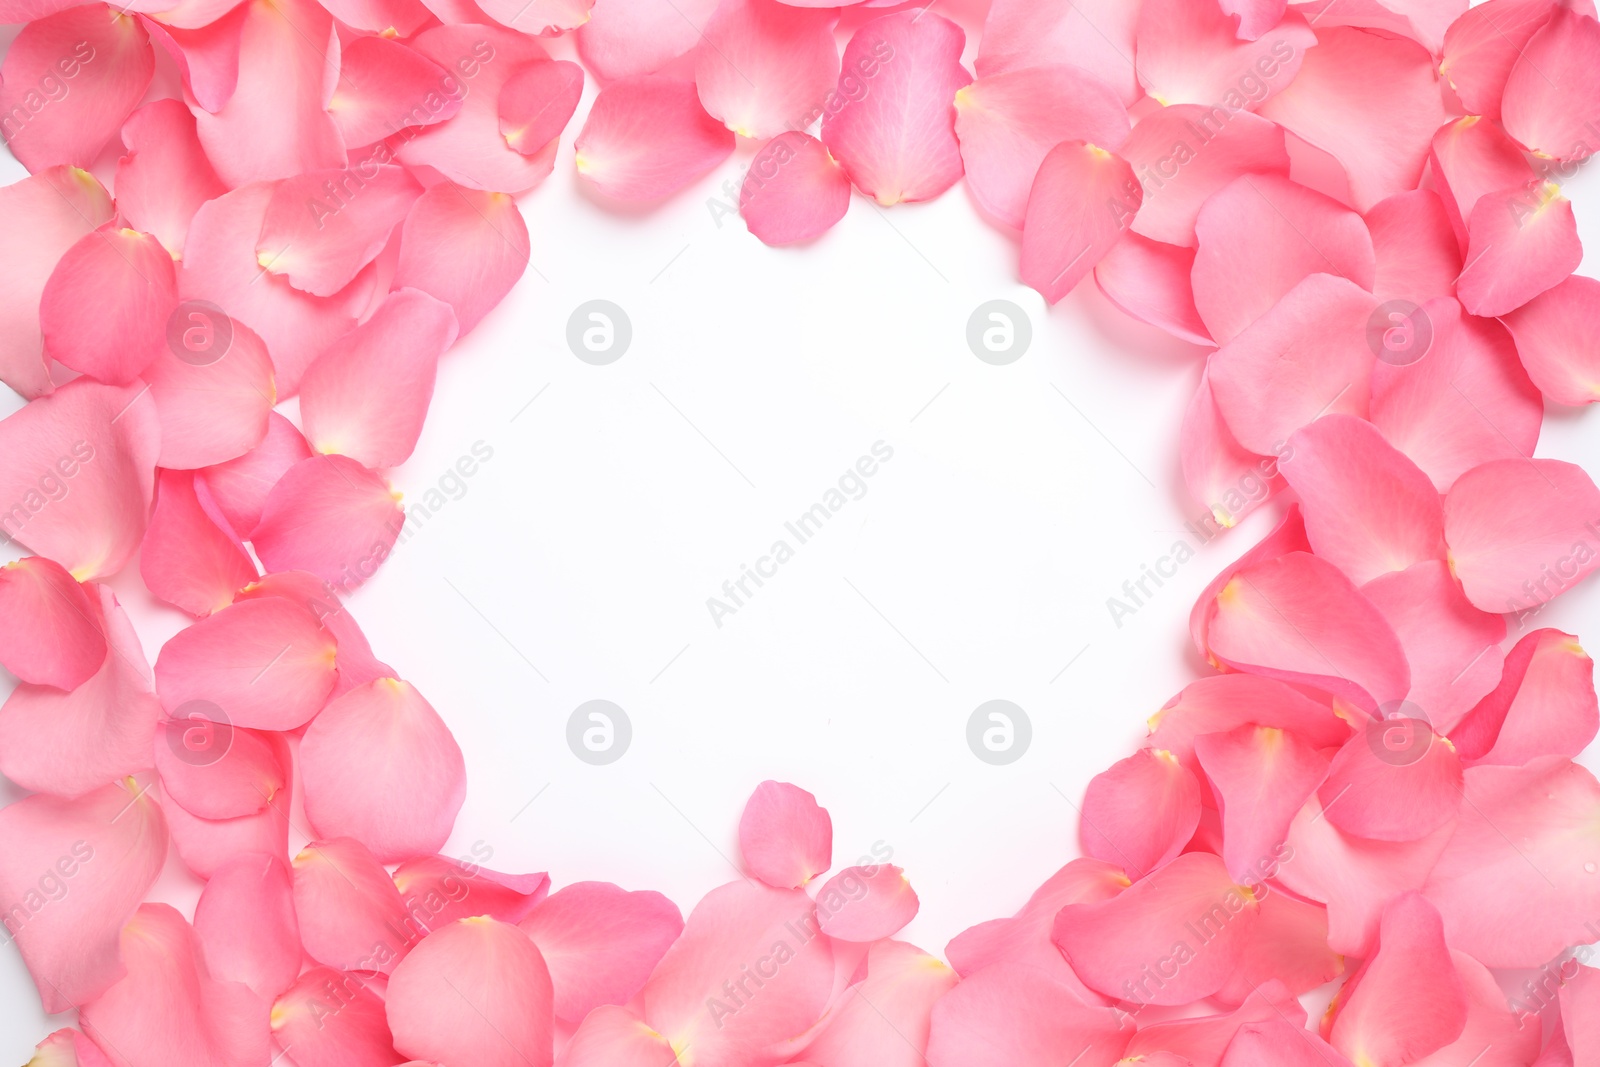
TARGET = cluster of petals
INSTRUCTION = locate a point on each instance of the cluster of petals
(1350, 209)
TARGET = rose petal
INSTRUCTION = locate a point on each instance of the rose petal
(1150, 281)
(239, 487)
(785, 836)
(1082, 201)
(246, 925)
(1543, 706)
(647, 137)
(1140, 813)
(165, 176)
(1184, 153)
(447, 890)
(1094, 35)
(1015, 1014)
(1552, 96)
(794, 190)
(766, 66)
(334, 1019)
(351, 915)
(322, 226)
(600, 943)
(626, 38)
(1523, 241)
(1191, 54)
(1261, 775)
(866, 904)
(330, 516)
(1552, 336)
(49, 631)
(127, 278)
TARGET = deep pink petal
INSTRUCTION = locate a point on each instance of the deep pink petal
(106, 849)
(351, 915)
(1543, 706)
(1081, 203)
(1151, 282)
(1140, 813)
(1184, 153)
(330, 516)
(490, 966)
(217, 771)
(794, 190)
(1418, 257)
(127, 278)
(1552, 97)
(625, 38)
(600, 943)
(264, 664)
(165, 176)
(1094, 35)
(1191, 54)
(240, 486)
(463, 246)
(891, 122)
(866, 904)
(1008, 122)
(1261, 776)
(49, 627)
(1552, 332)
(766, 66)
(785, 836)
(246, 926)
(448, 890)
(647, 137)
(213, 388)
(1523, 241)
(334, 1019)
(1396, 780)
(1015, 1014)
(1482, 46)
(323, 226)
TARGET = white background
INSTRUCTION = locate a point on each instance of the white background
(578, 562)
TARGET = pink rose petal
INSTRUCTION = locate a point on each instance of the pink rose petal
(786, 838)
(600, 942)
(794, 190)
(330, 516)
(648, 137)
(49, 627)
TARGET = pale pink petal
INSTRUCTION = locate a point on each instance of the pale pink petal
(1552, 332)
(79, 470)
(692, 998)
(213, 386)
(1368, 509)
(330, 516)
(1008, 122)
(216, 770)
(1015, 1014)
(537, 103)
(1279, 1043)
(401, 18)
(884, 1021)
(321, 227)
(385, 87)
(1261, 775)
(1523, 241)
(1093, 35)
(276, 122)
(1519, 531)
(68, 1048)
(647, 137)
(265, 664)
(470, 149)
(1255, 16)
(891, 122)
(49, 627)
(1382, 86)
(1552, 97)
(1453, 648)
(624, 38)
(1418, 258)
(1424, 21)
(351, 915)
(1259, 237)
(1407, 1000)
(1556, 1051)
(600, 943)
(204, 43)
(1151, 282)
(615, 1037)
(1140, 813)
(1470, 158)
(794, 190)
(1289, 944)
(104, 865)
(367, 396)
(334, 1019)
(246, 925)
(1493, 1034)
(1482, 45)
(865, 904)
(240, 486)
(1299, 619)
(206, 845)
(69, 80)
(450, 889)
(398, 795)
(1515, 885)
(1202, 1041)
(1464, 402)
(1396, 780)
(165, 176)
(220, 266)
(1115, 945)
(785, 836)
(1191, 54)
(1230, 480)
(765, 66)
(1184, 153)
(1082, 201)
(540, 18)
(1307, 357)
(1288, 536)
(51, 211)
(126, 277)
(1220, 703)
(1580, 1014)
(1543, 706)
(463, 246)
(492, 970)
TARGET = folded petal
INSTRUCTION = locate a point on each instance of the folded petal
(1261, 776)
(126, 277)
(203, 38)
(51, 211)
(266, 664)
(1015, 1014)
(1220, 703)
(897, 138)
(1307, 357)
(1150, 281)
(1261, 235)
(866, 904)
(600, 943)
(1289, 944)
(1140, 813)
(447, 890)
(351, 915)
(1008, 122)
(367, 396)
(49, 629)
(1082, 201)
(165, 176)
(1482, 45)
(385, 87)
(334, 1019)
(1371, 101)
(884, 1021)
(1192, 54)
(1551, 335)
(1465, 402)
(1093, 35)
(785, 836)
(322, 226)
(1543, 706)
(239, 487)
(647, 137)
(213, 387)
(1184, 153)
(476, 991)
(330, 516)
(625, 38)
(766, 66)
(1519, 531)
(1552, 97)
(1418, 258)
(76, 870)
(794, 190)
(1190, 919)
(379, 765)
(246, 925)
(79, 470)
(68, 81)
